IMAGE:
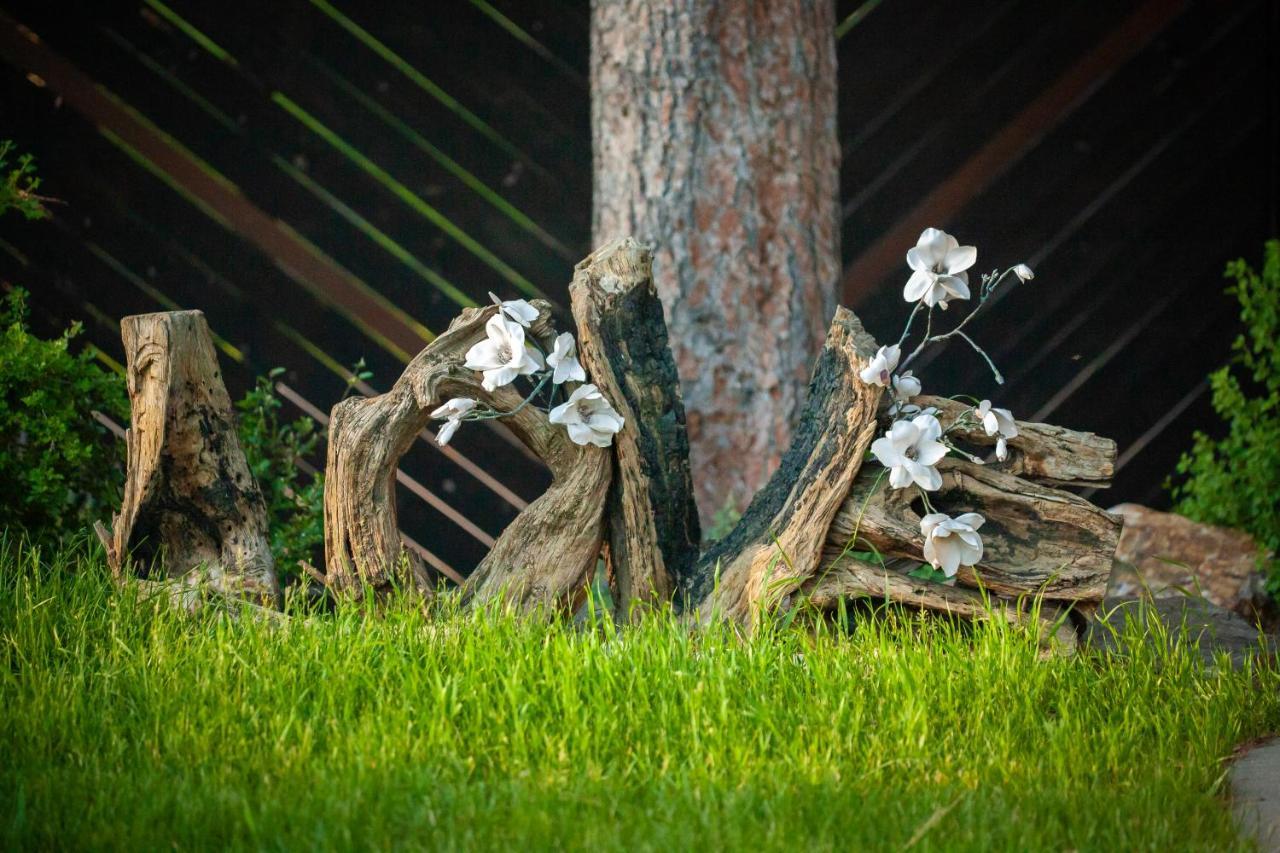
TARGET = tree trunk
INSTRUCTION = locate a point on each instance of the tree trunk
(714, 138)
(190, 504)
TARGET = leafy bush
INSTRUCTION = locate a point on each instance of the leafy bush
(18, 191)
(60, 468)
(1234, 480)
(276, 453)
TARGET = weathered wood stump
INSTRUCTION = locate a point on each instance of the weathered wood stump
(544, 557)
(652, 518)
(190, 506)
(777, 544)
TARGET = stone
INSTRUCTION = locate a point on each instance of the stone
(1255, 793)
(1166, 554)
(1212, 630)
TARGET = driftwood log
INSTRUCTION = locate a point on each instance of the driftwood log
(1037, 540)
(191, 508)
(190, 499)
(652, 518)
(777, 544)
(1041, 452)
(541, 561)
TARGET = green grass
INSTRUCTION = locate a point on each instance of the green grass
(124, 725)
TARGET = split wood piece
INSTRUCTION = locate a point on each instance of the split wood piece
(843, 577)
(542, 559)
(1036, 539)
(1041, 452)
(622, 338)
(190, 506)
(777, 544)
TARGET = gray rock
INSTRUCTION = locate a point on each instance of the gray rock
(1212, 628)
(1255, 794)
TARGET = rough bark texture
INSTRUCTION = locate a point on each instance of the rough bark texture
(543, 557)
(1041, 452)
(190, 506)
(714, 138)
(777, 545)
(622, 339)
(1036, 539)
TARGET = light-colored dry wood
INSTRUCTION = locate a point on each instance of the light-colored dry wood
(543, 558)
(1041, 452)
(1037, 539)
(778, 543)
(843, 577)
(622, 339)
(191, 508)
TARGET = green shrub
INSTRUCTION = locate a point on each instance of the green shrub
(18, 190)
(1234, 480)
(274, 451)
(60, 468)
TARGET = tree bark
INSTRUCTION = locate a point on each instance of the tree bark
(190, 504)
(544, 557)
(622, 341)
(714, 137)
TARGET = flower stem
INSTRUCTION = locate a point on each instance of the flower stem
(980, 351)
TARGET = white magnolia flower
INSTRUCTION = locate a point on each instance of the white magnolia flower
(503, 355)
(905, 386)
(881, 367)
(939, 263)
(950, 543)
(998, 422)
(1024, 272)
(452, 413)
(564, 358)
(517, 309)
(588, 417)
(910, 450)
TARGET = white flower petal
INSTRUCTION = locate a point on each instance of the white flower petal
(580, 433)
(955, 286)
(930, 452)
(919, 258)
(927, 426)
(899, 476)
(885, 452)
(960, 259)
(1024, 272)
(446, 431)
(918, 286)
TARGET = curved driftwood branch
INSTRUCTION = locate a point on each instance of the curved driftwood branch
(190, 502)
(544, 556)
(777, 544)
(622, 339)
(1037, 540)
(1041, 452)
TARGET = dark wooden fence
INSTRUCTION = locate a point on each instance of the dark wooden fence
(331, 180)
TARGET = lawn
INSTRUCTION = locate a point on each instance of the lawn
(128, 726)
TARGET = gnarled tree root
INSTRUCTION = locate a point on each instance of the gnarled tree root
(541, 561)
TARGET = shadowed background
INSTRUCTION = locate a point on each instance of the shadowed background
(332, 181)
